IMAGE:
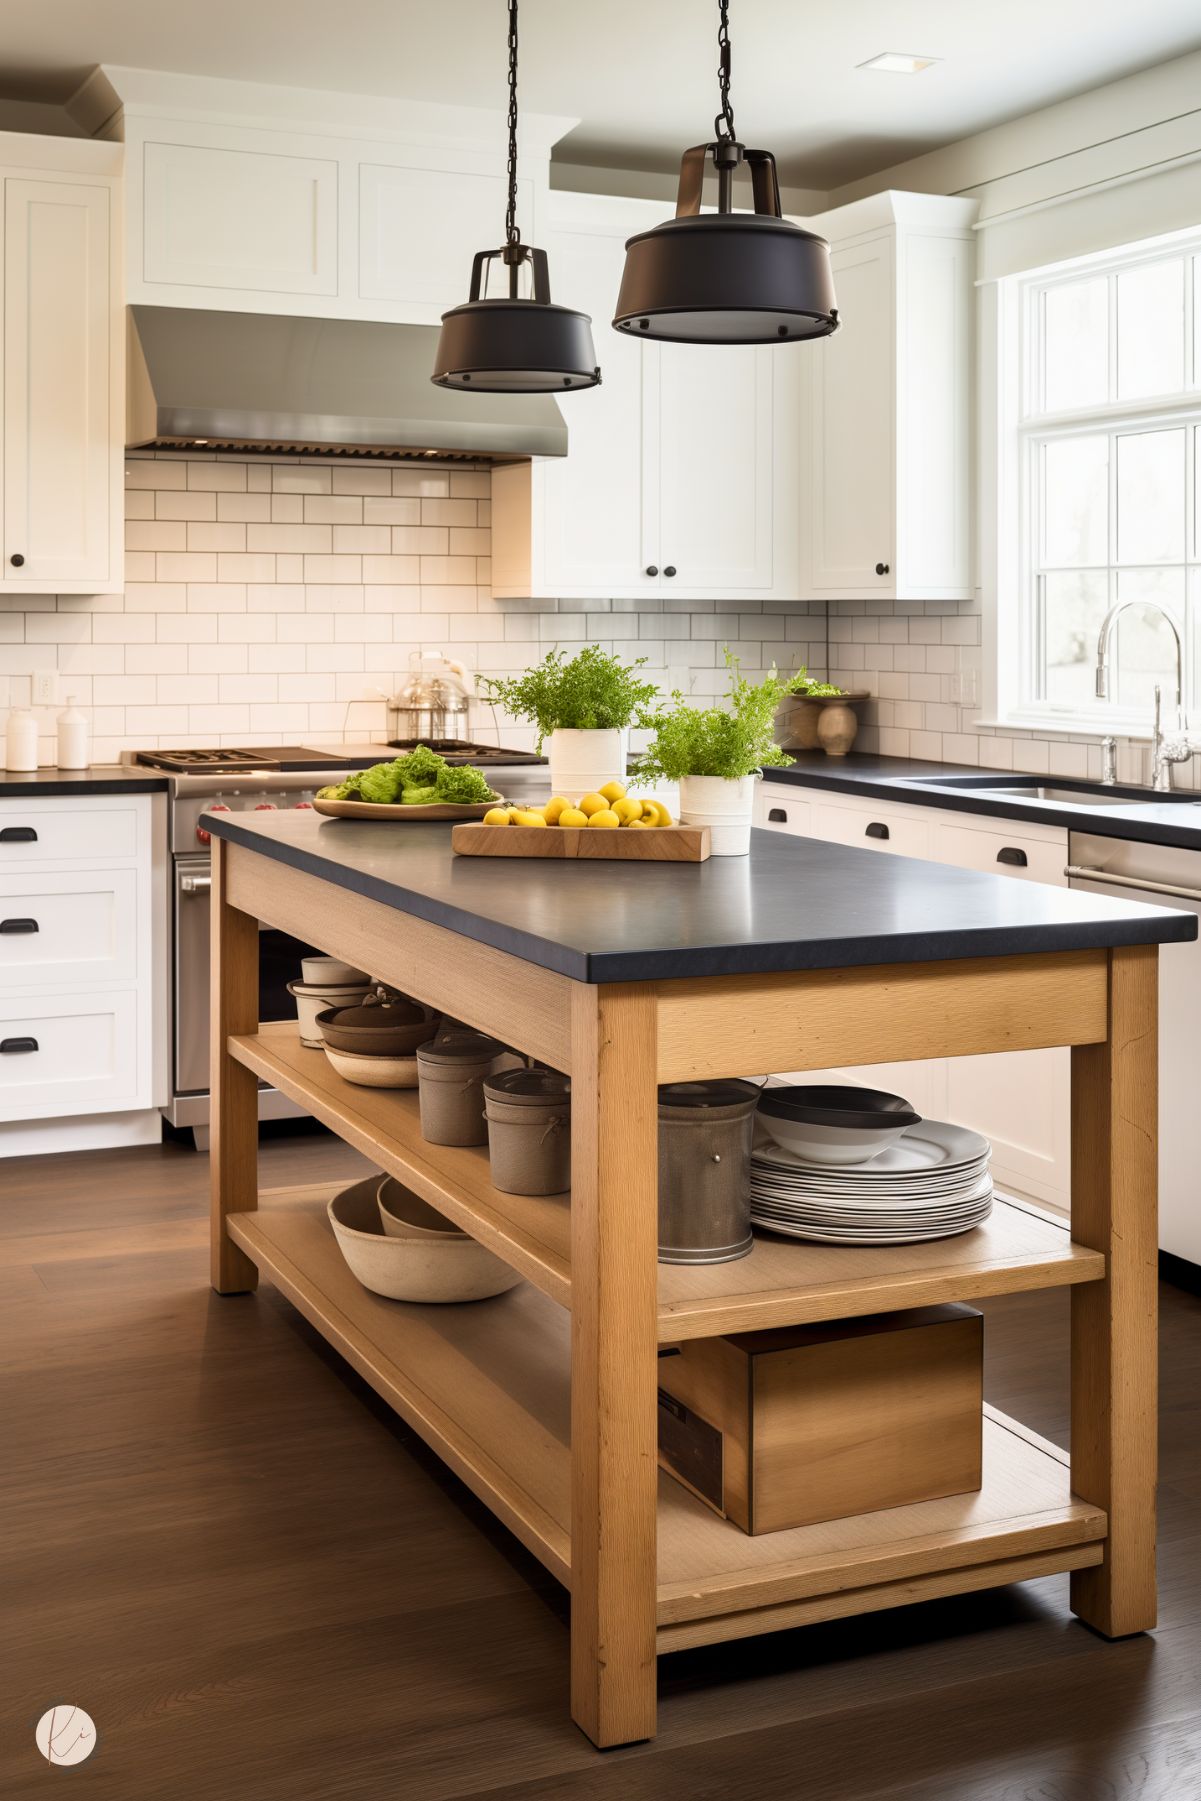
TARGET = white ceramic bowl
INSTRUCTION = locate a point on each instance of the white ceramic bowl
(830, 1144)
(446, 1267)
(312, 1001)
(373, 1072)
(331, 972)
(404, 1214)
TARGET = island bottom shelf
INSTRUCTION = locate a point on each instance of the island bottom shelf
(488, 1386)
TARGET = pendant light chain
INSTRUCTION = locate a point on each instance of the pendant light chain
(723, 124)
(511, 232)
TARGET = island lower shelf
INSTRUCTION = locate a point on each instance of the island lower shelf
(488, 1387)
(782, 1282)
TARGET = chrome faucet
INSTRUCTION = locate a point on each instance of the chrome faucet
(1166, 749)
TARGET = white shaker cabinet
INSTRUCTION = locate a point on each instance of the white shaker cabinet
(62, 437)
(1019, 1099)
(681, 471)
(886, 450)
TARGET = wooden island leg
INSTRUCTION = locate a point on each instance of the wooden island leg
(614, 1474)
(234, 1109)
(1114, 1322)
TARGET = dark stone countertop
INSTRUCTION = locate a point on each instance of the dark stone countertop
(914, 781)
(793, 903)
(97, 778)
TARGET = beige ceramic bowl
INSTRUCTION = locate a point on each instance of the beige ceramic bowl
(404, 1214)
(448, 1267)
(331, 972)
(373, 1072)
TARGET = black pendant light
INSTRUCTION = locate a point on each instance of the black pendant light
(727, 277)
(512, 345)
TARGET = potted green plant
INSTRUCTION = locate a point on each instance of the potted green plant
(716, 753)
(583, 708)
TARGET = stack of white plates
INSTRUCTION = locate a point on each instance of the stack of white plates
(932, 1183)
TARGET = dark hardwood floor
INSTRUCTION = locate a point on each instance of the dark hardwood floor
(264, 1588)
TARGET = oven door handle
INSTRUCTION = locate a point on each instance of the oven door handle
(1081, 872)
(195, 884)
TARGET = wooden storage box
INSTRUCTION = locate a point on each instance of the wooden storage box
(809, 1423)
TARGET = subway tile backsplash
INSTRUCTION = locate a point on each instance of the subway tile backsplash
(272, 600)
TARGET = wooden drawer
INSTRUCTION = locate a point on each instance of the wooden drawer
(781, 809)
(68, 1054)
(67, 927)
(883, 828)
(58, 832)
(1002, 851)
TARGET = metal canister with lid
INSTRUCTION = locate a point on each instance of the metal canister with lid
(705, 1131)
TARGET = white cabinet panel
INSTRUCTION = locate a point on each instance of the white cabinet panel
(252, 220)
(1000, 851)
(60, 436)
(68, 927)
(68, 1054)
(49, 831)
(873, 827)
(851, 430)
(419, 229)
(780, 809)
(708, 433)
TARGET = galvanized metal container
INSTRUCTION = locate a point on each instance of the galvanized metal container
(705, 1131)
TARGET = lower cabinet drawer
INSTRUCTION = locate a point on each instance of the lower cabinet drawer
(1002, 852)
(68, 927)
(781, 812)
(57, 831)
(71, 1054)
(903, 834)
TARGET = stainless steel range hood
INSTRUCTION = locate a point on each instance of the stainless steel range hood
(263, 381)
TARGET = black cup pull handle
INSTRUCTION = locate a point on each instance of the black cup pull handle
(778, 816)
(18, 834)
(10, 1047)
(1010, 854)
(11, 927)
(876, 830)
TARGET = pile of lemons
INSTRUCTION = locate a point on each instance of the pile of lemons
(610, 806)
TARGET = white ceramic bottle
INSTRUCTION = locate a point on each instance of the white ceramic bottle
(72, 737)
(21, 740)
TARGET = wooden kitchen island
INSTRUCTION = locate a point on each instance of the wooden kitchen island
(803, 955)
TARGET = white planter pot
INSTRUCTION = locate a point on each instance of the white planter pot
(724, 806)
(582, 762)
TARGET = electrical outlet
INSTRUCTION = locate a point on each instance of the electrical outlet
(45, 687)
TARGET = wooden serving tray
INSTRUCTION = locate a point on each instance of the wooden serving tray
(658, 844)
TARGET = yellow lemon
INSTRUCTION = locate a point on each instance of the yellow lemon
(551, 811)
(628, 810)
(638, 825)
(593, 803)
(496, 816)
(528, 817)
(612, 791)
(573, 816)
(606, 818)
(664, 816)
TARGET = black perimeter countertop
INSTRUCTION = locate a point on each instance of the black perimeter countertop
(97, 778)
(914, 781)
(793, 903)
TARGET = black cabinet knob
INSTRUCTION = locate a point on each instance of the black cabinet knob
(18, 834)
(9, 927)
(10, 1047)
(652, 569)
(881, 568)
(17, 560)
(875, 830)
(670, 570)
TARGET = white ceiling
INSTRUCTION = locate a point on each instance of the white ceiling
(639, 74)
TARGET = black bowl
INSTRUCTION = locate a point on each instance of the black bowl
(826, 1104)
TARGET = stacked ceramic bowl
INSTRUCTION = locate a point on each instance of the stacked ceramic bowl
(399, 1246)
(856, 1166)
(324, 982)
(373, 1041)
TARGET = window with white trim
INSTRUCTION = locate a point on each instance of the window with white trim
(1109, 475)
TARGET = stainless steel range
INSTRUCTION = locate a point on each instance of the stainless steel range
(243, 780)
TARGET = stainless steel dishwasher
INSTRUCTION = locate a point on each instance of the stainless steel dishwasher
(1163, 876)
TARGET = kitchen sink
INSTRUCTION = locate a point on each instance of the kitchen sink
(1072, 794)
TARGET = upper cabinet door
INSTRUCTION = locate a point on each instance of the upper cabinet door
(709, 433)
(61, 445)
(253, 221)
(419, 229)
(852, 432)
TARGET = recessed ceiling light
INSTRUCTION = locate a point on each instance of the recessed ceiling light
(894, 62)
